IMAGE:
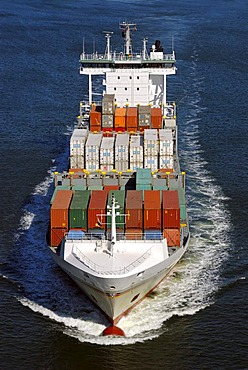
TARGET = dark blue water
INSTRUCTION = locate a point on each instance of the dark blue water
(198, 318)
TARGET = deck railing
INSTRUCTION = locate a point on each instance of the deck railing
(125, 58)
(79, 255)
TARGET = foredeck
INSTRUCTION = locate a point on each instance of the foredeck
(130, 255)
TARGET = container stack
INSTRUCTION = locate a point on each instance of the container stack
(134, 214)
(171, 217)
(120, 120)
(78, 211)
(144, 117)
(165, 148)
(136, 152)
(143, 179)
(108, 106)
(95, 118)
(92, 154)
(59, 219)
(132, 119)
(151, 149)
(96, 212)
(156, 118)
(77, 144)
(107, 154)
(122, 152)
(152, 214)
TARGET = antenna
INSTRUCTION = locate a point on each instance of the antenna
(144, 53)
(83, 49)
(107, 51)
(126, 29)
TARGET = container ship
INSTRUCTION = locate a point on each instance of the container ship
(118, 214)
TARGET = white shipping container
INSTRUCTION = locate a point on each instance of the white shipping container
(107, 150)
(165, 142)
(77, 141)
(151, 161)
(150, 142)
(121, 165)
(166, 161)
(135, 165)
(107, 167)
(92, 165)
(136, 149)
(121, 147)
(92, 147)
(77, 161)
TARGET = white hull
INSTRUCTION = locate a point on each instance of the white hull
(129, 290)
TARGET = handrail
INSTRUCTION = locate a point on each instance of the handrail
(94, 266)
(121, 57)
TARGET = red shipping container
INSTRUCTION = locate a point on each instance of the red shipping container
(156, 118)
(111, 187)
(56, 236)
(134, 209)
(107, 129)
(97, 207)
(133, 234)
(131, 129)
(152, 210)
(120, 129)
(172, 236)
(171, 209)
(132, 117)
(59, 209)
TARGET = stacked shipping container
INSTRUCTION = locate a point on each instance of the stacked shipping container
(108, 106)
(165, 148)
(136, 152)
(134, 214)
(107, 154)
(171, 217)
(86, 210)
(122, 152)
(59, 213)
(151, 149)
(92, 148)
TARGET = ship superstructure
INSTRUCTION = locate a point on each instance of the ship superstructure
(118, 215)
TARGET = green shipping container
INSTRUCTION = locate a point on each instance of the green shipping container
(143, 176)
(120, 199)
(59, 187)
(95, 187)
(79, 187)
(78, 210)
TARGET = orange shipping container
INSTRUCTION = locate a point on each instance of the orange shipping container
(95, 116)
(97, 207)
(134, 209)
(132, 117)
(156, 118)
(172, 236)
(111, 187)
(59, 209)
(56, 236)
(120, 118)
(152, 210)
(171, 209)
